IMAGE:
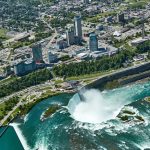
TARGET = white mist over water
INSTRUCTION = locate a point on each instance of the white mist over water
(26, 118)
(95, 108)
(41, 144)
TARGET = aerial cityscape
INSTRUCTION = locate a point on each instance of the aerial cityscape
(75, 74)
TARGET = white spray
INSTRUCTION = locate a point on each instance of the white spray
(95, 108)
(41, 144)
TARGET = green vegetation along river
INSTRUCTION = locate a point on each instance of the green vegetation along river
(90, 124)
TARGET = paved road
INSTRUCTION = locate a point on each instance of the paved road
(32, 88)
(45, 50)
(10, 112)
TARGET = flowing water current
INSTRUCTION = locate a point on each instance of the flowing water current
(91, 124)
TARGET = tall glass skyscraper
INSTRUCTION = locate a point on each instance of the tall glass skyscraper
(37, 53)
(93, 42)
(78, 26)
(70, 36)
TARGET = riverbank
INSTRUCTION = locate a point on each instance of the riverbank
(129, 80)
(121, 77)
(62, 127)
(26, 107)
(29, 106)
(108, 81)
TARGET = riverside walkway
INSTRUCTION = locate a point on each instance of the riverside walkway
(6, 127)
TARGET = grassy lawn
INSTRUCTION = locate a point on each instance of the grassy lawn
(88, 76)
(7, 80)
(32, 96)
(2, 105)
(3, 33)
(48, 92)
(15, 112)
(58, 81)
(46, 88)
(101, 15)
(135, 1)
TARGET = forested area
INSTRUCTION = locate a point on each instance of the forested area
(88, 67)
(102, 64)
(31, 79)
(144, 47)
(7, 106)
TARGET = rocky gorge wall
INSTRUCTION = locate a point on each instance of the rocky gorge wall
(131, 74)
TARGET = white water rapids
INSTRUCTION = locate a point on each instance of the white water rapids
(95, 108)
(20, 135)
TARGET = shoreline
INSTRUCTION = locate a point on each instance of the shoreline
(55, 94)
(140, 81)
(116, 79)
(128, 75)
(22, 114)
(28, 107)
(51, 95)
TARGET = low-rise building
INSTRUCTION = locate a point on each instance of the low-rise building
(61, 44)
(22, 67)
(52, 58)
(139, 41)
(83, 56)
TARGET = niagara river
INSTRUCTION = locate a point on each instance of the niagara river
(117, 119)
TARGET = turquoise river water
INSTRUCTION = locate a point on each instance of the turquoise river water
(84, 125)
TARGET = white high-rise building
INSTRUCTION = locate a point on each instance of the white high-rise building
(70, 36)
(78, 27)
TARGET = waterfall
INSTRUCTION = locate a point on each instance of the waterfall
(95, 108)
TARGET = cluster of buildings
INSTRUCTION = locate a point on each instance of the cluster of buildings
(73, 35)
(80, 40)
(82, 45)
(24, 66)
(94, 48)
